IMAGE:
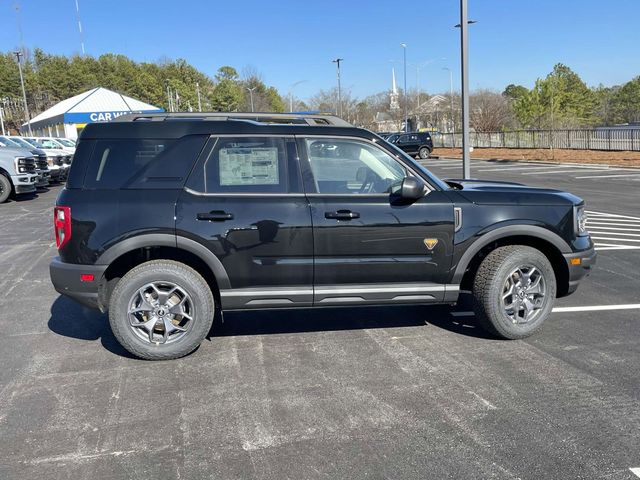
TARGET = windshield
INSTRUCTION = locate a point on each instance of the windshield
(418, 166)
(34, 142)
(21, 143)
(7, 142)
(66, 143)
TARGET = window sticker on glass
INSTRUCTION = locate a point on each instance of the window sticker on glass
(249, 166)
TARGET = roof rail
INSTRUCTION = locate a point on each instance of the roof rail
(314, 119)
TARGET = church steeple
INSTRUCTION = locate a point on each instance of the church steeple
(393, 96)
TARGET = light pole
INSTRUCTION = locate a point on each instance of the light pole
(199, 101)
(251, 95)
(80, 27)
(291, 93)
(406, 115)
(24, 92)
(464, 64)
(453, 123)
(339, 109)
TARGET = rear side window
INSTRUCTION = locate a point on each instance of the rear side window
(135, 163)
(246, 165)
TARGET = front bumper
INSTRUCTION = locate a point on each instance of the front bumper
(43, 178)
(24, 183)
(579, 265)
(66, 280)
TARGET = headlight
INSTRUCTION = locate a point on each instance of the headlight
(580, 220)
(21, 165)
(51, 161)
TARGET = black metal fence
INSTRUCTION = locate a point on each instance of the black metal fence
(596, 139)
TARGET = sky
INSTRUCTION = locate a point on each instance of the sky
(289, 41)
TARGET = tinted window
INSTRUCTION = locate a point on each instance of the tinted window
(142, 163)
(244, 165)
(352, 167)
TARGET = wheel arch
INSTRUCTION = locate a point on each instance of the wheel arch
(549, 243)
(131, 252)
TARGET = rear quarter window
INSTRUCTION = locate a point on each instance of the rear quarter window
(142, 163)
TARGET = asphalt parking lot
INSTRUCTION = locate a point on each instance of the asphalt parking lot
(411, 392)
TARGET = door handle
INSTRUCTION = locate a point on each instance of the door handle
(342, 215)
(215, 216)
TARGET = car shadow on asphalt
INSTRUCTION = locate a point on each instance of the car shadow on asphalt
(71, 319)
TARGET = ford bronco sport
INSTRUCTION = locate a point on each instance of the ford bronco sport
(167, 219)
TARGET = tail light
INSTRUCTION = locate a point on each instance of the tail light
(62, 225)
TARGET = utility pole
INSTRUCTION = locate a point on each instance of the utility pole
(24, 92)
(169, 100)
(406, 114)
(2, 121)
(339, 109)
(464, 64)
(251, 95)
(80, 28)
(291, 93)
(453, 122)
(198, 92)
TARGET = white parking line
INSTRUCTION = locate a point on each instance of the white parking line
(527, 167)
(612, 176)
(614, 228)
(614, 215)
(592, 308)
(562, 171)
(635, 471)
(614, 239)
(594, 231)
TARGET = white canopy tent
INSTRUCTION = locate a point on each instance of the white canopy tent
(67, 118)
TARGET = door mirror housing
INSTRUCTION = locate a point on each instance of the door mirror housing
(412, 188)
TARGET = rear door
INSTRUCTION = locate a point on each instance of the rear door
(244, 202)
(368, 246)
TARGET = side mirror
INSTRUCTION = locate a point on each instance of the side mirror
(412, 188)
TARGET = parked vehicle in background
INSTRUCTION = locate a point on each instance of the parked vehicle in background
(413, 143)
(18, 172)
(58, 143)
(44, 174)
(165, 223)
(56, 158)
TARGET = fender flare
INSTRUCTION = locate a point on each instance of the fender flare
(168, 240)
(503, 232)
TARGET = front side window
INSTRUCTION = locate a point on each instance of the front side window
(50, 144)
(245, 165)
(344, 166)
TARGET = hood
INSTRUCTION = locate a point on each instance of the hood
(490, 192)
(18, 152)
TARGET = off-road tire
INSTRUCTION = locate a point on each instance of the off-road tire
(156, 271)
(5, 188)
(488, 286)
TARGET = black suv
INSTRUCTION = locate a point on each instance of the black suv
(167, 219)
(414, 143)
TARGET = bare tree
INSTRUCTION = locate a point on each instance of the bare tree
(490, 111)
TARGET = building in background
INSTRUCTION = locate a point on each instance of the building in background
(68, 118)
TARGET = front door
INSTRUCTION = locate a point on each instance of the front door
(368, 246)
(244, 202)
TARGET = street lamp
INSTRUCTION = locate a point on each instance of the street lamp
(339, 109)
(251, 95)
(24, 93)
(464, 64)
(406, 116)
(291, 93)
(453, 123)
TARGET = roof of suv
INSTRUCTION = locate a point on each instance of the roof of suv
(179, 125)
(259, 117)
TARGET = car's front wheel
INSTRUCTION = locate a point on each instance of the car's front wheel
(5, 188)
(513, 291)
(424, 152)
(161, 310)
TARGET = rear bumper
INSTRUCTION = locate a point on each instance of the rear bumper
(579, 265)
(66, 280)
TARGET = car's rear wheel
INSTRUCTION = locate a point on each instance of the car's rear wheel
(424, 152)
(5, 188)
(161, 310)
(513, 291)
